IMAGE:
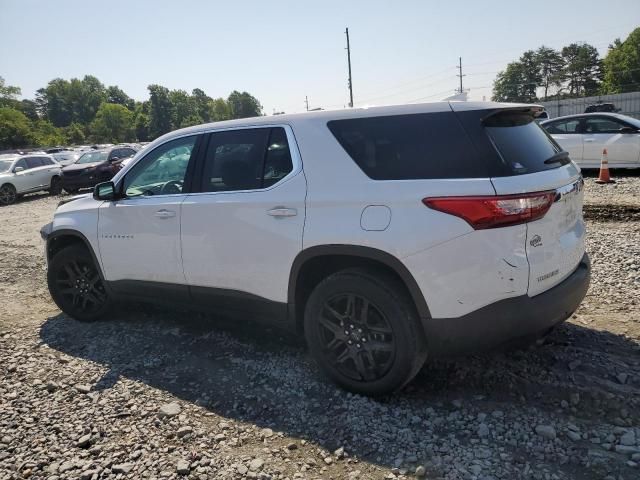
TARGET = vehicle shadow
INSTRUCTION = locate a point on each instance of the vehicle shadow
(252, 374)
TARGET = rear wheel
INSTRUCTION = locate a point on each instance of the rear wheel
(56, 186)
(363, 331)
(76, 285)
(8, 194)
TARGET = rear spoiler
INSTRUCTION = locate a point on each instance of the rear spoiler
(494, 109)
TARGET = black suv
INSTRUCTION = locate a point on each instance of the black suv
(95, 166)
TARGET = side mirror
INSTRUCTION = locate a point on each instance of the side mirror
(104, 191)
(113, 159)
(628, 130)
(18, 169)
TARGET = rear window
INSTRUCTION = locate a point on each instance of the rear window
(416, 146)
(523, 145)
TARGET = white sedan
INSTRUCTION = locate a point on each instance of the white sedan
(584, 136)
(26, 174)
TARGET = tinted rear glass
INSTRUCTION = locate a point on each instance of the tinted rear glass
(417, 146)
(522, 143)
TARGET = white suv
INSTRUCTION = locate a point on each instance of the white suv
(383, 234)
(20, 174)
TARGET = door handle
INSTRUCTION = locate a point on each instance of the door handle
(164, 214)
(282, 212)
(589, 140)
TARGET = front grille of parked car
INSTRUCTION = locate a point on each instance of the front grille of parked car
(73, 173)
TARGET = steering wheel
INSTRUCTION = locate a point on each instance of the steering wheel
(171, 187)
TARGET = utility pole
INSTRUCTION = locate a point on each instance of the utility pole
(306, 102)
(460, 74)
(349, 62)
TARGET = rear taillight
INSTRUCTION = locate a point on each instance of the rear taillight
(495, 211)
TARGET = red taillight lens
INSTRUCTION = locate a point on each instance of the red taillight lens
(495, 211)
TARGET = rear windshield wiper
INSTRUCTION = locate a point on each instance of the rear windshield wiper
(561, 157)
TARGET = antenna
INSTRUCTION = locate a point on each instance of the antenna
(349, 63)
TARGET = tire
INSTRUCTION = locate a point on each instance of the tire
(76, 284)
(55, 188)
(8, 194)
(71, 190)
(335, 324)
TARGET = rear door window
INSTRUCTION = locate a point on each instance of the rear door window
(34, 162)
(563, 127)
(522, 144)
(403, 147)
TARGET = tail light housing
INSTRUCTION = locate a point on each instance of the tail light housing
(482, 212)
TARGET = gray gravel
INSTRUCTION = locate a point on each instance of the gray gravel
(173, 394)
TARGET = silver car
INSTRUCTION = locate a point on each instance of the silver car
(586, 135)
(20, 174)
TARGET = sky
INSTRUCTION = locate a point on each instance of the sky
(281, 51)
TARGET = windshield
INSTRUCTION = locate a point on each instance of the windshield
(93, 157)
(5, 165)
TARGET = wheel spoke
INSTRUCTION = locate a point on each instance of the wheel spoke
(351, 306)
(335, 343)
(378, 346)
(361, 368)
(344, 356)
(331, 326)
(364, 311)
(334, 312)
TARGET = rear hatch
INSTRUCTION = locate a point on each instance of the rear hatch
(523, 158)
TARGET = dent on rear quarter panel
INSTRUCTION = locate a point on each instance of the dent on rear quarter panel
(472, 271)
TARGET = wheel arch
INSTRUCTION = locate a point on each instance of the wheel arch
(63, 238)
(314, 264)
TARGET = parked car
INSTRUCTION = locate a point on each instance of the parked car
(66, 157)
(601, 107)
(585, 136)
(93, 167)
(20, 174)
(384, 235)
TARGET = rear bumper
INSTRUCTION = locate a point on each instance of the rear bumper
(510, 319)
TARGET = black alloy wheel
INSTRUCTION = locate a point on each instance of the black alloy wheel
(76, 285)
(357, 337)
(8, 194)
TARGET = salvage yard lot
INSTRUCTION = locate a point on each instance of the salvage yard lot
(154, 393)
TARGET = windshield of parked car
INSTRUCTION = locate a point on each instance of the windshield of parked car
(93, 157)
(5, 164)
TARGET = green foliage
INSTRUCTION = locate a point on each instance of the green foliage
(74, 134)
(550, 66)
(15, 130)
(46, 134)
(581, 69)
(78, 110)
(243, 105)
(511, 84)
(8, 94)
(622, 65)
(160, 111)
(113, 123)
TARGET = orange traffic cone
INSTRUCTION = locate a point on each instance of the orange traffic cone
(604, 176)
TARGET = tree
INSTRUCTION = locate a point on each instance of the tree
(113, 123)
(183, 109)
(582, 69)
(219, 109)
(116, 95)
(160, 111)
(202, 103)
(74, 134)
(15, 130)
(8, 94)
(510, 84)
(530, 75)
(243, 105)
(622, 65)
(29, 108)
(141, 121)
(550, 65)
(46, 134)
(65, 101)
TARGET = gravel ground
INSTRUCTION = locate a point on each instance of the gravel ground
(171, 394)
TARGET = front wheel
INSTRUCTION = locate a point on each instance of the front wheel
(76, 285)
(71, 190)
(363, 331)
(8, 194)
